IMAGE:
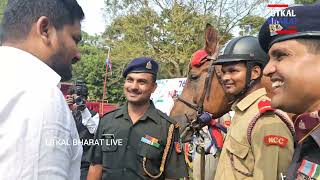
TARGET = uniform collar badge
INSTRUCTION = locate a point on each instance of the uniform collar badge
(149, 65)
(302, 125)
(306, 123)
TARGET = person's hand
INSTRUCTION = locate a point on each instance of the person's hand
(69, 100)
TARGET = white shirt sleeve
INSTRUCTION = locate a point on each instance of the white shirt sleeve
(60, 153)
(90, 122)
(33, 113)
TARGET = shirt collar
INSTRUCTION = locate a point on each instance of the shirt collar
(249, 99)
(316, 136)
(151, 113)
(27, 61)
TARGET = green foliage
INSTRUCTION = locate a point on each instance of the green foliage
(250, 25)
(304, 1)
(2, 7)
(169, 31)
(92, 68)
(170, 37)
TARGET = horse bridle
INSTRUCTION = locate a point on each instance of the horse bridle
(207, 87)
(194, 123)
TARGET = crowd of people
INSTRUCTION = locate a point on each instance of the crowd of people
(39, 41)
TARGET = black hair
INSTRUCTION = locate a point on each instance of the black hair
(19, 16)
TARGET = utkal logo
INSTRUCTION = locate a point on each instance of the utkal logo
(282, 21)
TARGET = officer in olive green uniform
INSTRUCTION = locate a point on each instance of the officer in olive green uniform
(139, 141)
(294, 71)
(259, 144)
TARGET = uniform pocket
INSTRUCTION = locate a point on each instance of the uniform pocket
(241, 160)
(109, 149)
(150, 152)
(109, 143)
(152, 157)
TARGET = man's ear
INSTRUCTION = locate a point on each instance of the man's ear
(255, 72)
(44, 29)
(154, 87)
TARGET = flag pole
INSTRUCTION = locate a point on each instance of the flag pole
(105, 83)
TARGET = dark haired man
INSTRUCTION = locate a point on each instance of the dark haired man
(294, 72)
(39, 44)
(149, 146)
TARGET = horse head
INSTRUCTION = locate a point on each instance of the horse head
(203, 90)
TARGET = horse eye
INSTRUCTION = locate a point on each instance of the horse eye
(193, 77)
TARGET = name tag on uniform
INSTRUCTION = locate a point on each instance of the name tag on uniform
(151, 141)
(308, 169)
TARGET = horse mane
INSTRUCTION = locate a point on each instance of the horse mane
(211, 38)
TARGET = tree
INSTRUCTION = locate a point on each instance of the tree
(92, 68)
(169, 37)
(171, 31)
(250, 25)
(2, 7)
(305, 1)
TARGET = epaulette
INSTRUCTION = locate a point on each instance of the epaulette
(165, 116)
(264, 106)
(109, 112)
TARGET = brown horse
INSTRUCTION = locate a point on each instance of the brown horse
(203, 90)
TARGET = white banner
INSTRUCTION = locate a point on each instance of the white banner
(167, 88)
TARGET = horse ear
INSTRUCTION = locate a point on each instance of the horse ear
(211, 37)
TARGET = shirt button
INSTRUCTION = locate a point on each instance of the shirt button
(128, 147)
(124, 169)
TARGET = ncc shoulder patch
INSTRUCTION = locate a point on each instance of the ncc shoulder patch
(275, 140)
(264, 105)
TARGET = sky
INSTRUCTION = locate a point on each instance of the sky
(94, 22)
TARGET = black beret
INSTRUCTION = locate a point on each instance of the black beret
(142, 65)
(290, 23)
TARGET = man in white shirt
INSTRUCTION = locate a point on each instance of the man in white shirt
(37, 130)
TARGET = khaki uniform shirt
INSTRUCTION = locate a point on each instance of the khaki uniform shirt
(124, 161)
(264, 161)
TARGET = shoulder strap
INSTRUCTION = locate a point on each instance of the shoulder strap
(264, 107)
